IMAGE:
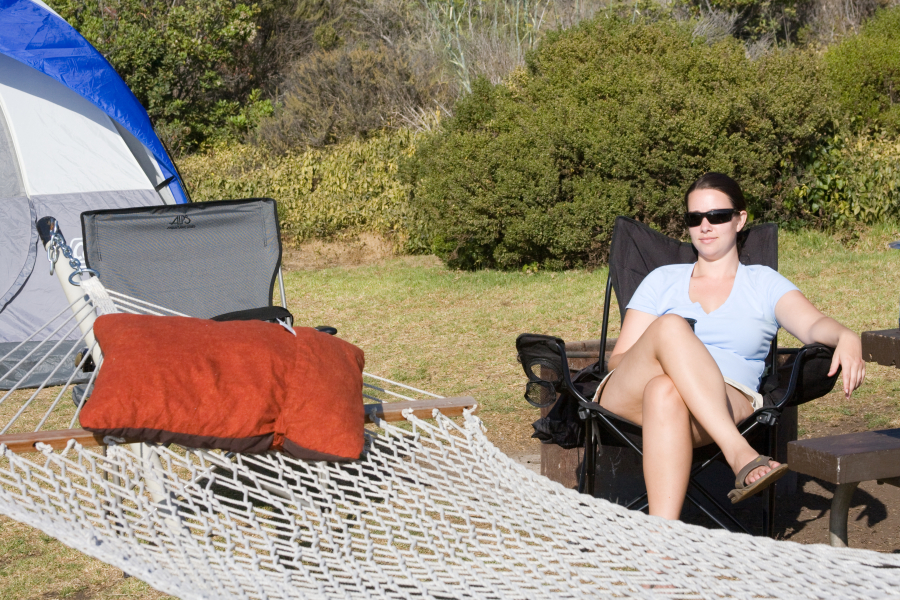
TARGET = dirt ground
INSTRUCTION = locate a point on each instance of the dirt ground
(363, 249)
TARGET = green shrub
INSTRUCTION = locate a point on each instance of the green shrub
(865, 70)
(184, 60)
(850, 181)
(609, 118)
(348, 189)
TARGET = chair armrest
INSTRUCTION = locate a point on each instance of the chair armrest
(803, 377)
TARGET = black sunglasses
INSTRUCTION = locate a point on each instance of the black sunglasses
(715, 217)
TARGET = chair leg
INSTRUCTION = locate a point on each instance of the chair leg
(694, 501)
(769, 499)
(591, 459)
(588, 459)
(642, 498)
(769, 515)
(721, 508)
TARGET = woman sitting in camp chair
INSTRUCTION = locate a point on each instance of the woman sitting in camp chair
(690, 389)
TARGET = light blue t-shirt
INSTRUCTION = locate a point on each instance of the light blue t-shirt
(739, 332)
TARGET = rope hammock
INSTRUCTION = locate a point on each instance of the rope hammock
(431, 510)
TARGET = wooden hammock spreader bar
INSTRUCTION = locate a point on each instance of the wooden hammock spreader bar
(392, 411)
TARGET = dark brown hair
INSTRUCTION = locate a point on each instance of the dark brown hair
(721, 183)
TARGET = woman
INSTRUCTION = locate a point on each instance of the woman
(689, 389)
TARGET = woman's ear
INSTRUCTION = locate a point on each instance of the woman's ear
(742, 219)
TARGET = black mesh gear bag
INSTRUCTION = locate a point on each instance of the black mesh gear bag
(543, 367)
(541, 361)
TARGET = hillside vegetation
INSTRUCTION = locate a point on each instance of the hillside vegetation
(610, 118)
(351, 188)
(509, 133)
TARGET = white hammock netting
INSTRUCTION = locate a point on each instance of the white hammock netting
(432, 510)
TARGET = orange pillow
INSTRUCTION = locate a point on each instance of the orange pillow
(235, 385)
(323, 416)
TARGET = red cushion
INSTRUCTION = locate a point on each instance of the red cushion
(244, 386)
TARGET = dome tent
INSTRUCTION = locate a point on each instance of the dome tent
(73, 138)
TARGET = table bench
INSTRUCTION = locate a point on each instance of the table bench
(847, 460)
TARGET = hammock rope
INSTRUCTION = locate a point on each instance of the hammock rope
(431, 510)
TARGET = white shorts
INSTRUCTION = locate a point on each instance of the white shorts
(755, 398)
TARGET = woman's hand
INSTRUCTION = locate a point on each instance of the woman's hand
(848, 356)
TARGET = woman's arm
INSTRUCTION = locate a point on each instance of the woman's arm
(633, 327)
(805, 322)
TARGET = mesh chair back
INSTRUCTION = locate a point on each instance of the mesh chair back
(202, 259)
(636, 250)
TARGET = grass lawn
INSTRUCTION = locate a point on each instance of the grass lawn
(453, 333)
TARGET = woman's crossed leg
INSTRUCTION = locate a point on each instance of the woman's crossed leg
(670, 385)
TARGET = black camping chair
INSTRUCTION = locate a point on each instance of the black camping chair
(792, 377)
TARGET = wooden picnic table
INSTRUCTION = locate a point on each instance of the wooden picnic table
(849, 459)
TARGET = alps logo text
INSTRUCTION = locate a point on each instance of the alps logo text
(181, 222)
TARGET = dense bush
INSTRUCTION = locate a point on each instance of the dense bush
(209, 70)
(850, 181)
(865, 70)
(184, 60)
(609, 118)
(349, 188)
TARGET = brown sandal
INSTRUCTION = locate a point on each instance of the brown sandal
(743, 490)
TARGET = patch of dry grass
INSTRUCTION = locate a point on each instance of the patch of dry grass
(34, 566)
(451, 332)
(856, 281)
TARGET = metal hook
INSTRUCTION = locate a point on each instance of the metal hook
(82, 272)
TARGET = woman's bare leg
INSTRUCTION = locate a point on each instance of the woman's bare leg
(668, 447)
(668, 382)
(670, 435)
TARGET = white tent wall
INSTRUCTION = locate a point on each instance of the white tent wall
(59, 156)
(18, 243)
(64, 143)
(148, 163)
(11, 185)
(16, 213)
